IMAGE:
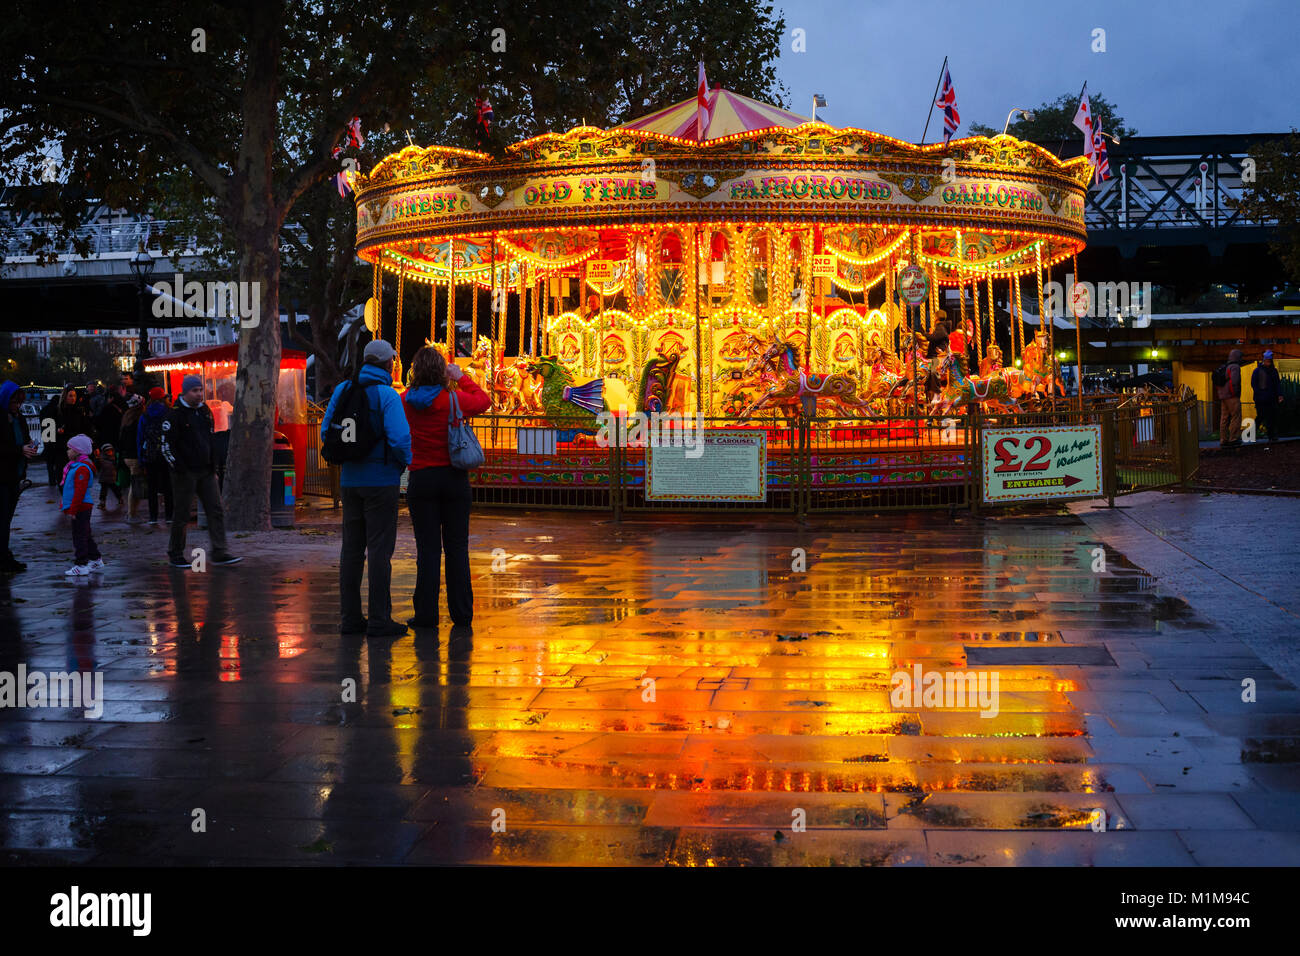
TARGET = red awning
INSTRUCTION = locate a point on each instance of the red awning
(289, 358)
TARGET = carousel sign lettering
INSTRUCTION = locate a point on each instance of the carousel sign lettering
(990, 194)
(425, 204)
(592, 190)
(810, 187)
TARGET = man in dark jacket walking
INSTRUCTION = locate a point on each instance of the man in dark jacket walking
(1266, 385)
(16, 450)
(1229, 394)
(190, 452)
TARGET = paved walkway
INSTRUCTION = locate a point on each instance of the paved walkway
(661, 692)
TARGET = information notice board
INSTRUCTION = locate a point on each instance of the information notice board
(1033, 464)
(730, 465)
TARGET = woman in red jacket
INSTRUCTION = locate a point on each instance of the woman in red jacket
(437, 495)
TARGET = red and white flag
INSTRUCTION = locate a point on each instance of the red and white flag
(947, 102)
(354, 133)
(702, 106)
(1083, 120)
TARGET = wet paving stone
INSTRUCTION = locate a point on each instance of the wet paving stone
(665, 693)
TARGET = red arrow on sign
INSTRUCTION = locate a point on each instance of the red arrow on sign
(1071, 480)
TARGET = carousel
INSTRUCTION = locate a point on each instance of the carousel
(773, 268)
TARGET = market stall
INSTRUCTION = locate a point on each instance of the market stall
(217, 365)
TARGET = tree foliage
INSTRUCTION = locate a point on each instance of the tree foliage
(1054, 121)
(1274, 196)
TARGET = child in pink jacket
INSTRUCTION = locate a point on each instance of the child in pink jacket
(78, 480)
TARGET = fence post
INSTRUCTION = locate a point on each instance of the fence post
(974, 460)
(803, 470)
(1108, 463)
(1180, 419)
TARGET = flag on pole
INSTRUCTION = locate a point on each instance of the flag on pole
(1083, 120)
(702, 106)
(1100, 163)
(354, 133)
(947, 101)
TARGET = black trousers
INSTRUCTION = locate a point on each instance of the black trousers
(1266, 417)
(8, 504)
(186, 487)
(369, 536)
(83, 542)
(158, 479)
(438, 500)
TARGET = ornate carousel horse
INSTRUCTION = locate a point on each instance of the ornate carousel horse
(995, 391)
(795, 390)
(1040, 364)
(914, 346)
(514, 391)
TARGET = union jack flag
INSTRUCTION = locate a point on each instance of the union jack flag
(947, 102)
(1100, 163)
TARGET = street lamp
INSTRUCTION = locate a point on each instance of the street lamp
(1110, 136)
(142, 268)
(1029, 116)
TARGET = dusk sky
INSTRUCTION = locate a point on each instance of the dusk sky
(1171, 66)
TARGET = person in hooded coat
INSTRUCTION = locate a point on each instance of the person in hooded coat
(438, 494)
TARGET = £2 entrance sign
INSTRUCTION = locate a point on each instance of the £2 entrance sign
(1033, 464)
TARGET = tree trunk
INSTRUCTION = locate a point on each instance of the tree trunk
(256, 220)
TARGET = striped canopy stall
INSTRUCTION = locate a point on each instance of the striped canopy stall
(729, 113)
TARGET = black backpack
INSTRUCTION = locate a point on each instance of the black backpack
(151, 444)
(352, 420)
(1219, 376)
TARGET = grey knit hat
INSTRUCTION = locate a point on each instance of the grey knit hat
(191, 381)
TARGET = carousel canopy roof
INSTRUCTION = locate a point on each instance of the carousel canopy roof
(729, 112)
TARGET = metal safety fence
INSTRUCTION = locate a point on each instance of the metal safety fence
(809, 465)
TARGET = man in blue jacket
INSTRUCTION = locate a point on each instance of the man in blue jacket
(371, 489)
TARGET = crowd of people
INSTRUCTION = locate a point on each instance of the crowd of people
(132, 447)
(129, 442)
